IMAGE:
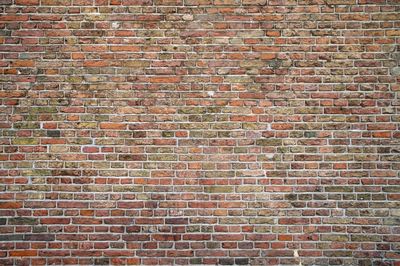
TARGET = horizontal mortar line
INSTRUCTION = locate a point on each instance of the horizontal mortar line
(240, 162)
(174, 178)
(201, 186)
(224, 45)
(220, 161)
(286, 19)
(201, 178)
(307, 33)
(253, 18)
(208, 83)
(210, 233)
(193, 52)
(230, 209)
(197, 170)
(256, 200)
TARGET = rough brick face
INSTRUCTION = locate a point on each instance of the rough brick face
(231, 132)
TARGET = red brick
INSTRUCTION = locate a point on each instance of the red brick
(119, 126)
(10, 205)
(23, 253)
(26, 2)
(23, 63)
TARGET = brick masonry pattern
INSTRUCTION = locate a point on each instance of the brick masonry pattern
(247, 132)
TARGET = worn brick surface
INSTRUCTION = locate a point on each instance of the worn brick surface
(247, 132)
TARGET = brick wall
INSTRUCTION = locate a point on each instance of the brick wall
(262, 132)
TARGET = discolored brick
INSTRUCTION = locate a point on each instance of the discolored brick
(219, 189)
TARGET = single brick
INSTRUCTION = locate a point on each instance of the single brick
(25, 141)
(269, 142)
(247, 189)
(22, 221)
(54, 133)
(219, 189)
(132, 157)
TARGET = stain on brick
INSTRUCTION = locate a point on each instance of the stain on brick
(132, 157)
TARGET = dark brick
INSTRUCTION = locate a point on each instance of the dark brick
(11, 237)
(226, 261)
(23, 221)
(102, 261)
(132, 157)
(242, 261)
(39, 237)
(54, 133)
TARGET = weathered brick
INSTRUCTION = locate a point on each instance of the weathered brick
(25, 141)
(5, 237)
(54, 133)
(336, 238)
(22, 221)
(26, 2)
(39, 237)
(262, 220)
(339, 189)
(254, 2)
(132, 157)
(269, 142)
(219, 189)
(247, 189)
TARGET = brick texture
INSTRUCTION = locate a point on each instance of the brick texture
(229, 132)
